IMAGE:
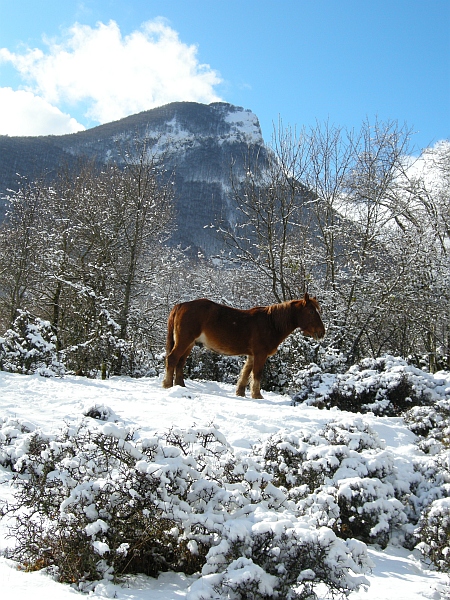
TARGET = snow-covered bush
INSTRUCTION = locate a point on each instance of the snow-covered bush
(296, 353)
(429, 502)
(94, 502)
(428, 481)
(353, 433)
(432, 425)
(340, 477)
(12, 440)
(294, 513)
(385, 386)
(104, 352)
(29, 346)
(98, 501)
(434, 534)
(279, 558)
(368, 510)
(101, 412)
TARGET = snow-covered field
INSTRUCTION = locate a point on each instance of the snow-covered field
(51, 403)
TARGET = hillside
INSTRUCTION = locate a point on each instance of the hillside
(199, 143)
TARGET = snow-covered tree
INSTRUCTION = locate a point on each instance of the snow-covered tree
(344, 214)
(88, 244)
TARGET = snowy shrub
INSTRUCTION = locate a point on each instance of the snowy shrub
(385, 386)
(284, 456)
(430, 488)
(421, 420)
(102, 353)
(373, 395)
(241, 579)
(340, 477)
(97, 501)
(311, 460)
(30, 347)
(100, 412)
(294, 354)
(13, 440)
(432, 425)
(264, 558)
(313, 384)
(368, 509)
(434, 534)
(353, 433)
(93, 503)
(284, 371)
(430, 481)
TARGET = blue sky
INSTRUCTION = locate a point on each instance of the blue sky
(70, 64)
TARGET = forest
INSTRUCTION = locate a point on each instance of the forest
(88, 275)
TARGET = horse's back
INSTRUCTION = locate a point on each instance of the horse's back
(193, 311)
(204, 309)
(219, 327)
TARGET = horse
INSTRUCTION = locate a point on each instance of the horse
(256, 333)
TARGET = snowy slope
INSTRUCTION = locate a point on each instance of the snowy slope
(49, 404)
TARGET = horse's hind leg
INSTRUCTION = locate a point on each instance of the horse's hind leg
(170, 368)
(179, 380)
(175, 362)
(170, 349)
(244, 377)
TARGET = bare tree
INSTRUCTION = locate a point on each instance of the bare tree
(19, 249)
(341, 207)
(269, 231)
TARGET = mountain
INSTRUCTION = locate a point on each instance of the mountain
(199, 142)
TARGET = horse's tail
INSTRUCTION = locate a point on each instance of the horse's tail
(170, 343)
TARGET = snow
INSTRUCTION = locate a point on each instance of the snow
(174, 137)
(51, 404)
(426, 166)
(244, 126)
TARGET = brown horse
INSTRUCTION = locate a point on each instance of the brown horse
(256, 333)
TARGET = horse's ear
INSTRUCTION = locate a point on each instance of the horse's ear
(306, 297)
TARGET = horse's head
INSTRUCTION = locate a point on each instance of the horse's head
(308, 317)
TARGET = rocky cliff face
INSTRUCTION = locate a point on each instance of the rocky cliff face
(199, 142)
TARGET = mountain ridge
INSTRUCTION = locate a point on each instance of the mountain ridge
(199, 143)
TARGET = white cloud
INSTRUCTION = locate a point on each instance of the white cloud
(23, 113)
(116, 75)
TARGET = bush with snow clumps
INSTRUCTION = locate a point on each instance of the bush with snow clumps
(29, 346)
(97, 501)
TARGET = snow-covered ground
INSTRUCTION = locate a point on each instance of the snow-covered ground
(51, 403)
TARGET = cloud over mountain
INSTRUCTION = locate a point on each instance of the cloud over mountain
(24, 113)
(108, 74)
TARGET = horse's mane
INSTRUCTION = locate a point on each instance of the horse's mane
(281, 314)
(315, 303)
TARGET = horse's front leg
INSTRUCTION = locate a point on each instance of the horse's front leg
(257, 371)
(244, 377)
